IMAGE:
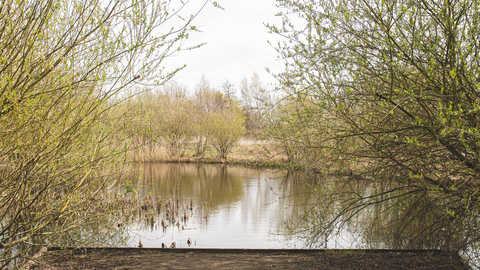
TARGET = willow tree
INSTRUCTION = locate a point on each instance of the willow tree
(225, 128)
(206, 99)
(296, 129)
(139, 125)
(400, 79)
(174, 116)
(61, 62)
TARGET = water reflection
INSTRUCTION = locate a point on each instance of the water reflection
(201, 183)
(234, 207)
(217, 206)
(358, 213)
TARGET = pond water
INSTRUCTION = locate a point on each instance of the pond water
(218, 206)
(233, 207)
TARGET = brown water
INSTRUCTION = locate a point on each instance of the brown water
(233, 207)
(237, 207)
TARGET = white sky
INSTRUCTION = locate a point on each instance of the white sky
(236, 44)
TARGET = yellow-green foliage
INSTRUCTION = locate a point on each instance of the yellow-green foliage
(63, 65)
(174, 120)
(225, 128)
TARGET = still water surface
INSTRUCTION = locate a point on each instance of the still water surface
(237, 207)
(233, 207)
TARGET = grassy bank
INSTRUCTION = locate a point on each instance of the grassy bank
(247, 152)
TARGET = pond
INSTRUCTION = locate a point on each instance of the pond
(233, 207)
(218, 206)
(238, 207)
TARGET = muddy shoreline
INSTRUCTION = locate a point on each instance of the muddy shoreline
(187, 258)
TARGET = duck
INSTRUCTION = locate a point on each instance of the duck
(172, 245)
(189, 241)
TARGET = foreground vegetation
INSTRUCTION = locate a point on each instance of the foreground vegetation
(392, 87)
(63, 65)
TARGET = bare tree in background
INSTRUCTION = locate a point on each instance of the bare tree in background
(255, 100)
(228, 89)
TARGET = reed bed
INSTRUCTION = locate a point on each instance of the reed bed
(251, 153)
(246, 151)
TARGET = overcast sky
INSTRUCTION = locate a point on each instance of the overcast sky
(236, 43)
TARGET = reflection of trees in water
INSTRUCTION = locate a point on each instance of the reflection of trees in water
(295, 194)
(264, 197)
(386, 215)
(318, 209)
(202, 183)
